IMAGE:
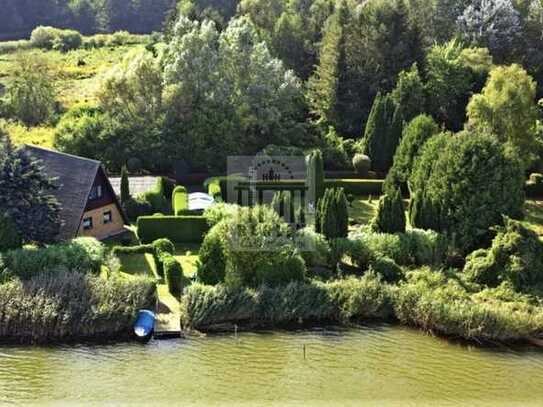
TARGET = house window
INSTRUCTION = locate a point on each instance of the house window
(95, 193)
(87, 223)
(108, 217)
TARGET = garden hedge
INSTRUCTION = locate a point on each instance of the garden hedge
(178, 229)
(357, 186)
(180, 200)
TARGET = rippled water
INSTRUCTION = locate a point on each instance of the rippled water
(382, 366)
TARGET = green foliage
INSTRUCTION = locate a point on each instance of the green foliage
(415, 134)
(341, 301)
(409, 94)
(81, 255)
(315, 174)
(516, 256)
(332, 219)
(469, 172)
(362, 165)
(215, 213)
(432, 302)
(9, 236)
(173, 275)
(507, 108)
(390, 216)
(356, 186)
(179, 229)
(31, 95)
(212, 256)
(125, 186)
(180, 200)
(54, 38)
(313, 247)
(25, 195)
(214, 190)
(284, 267)
(383, 132)
(72, 306)
(385, 267)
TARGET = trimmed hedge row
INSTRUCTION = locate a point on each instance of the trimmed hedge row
(357, 186)
(180, 200)
(178, 229)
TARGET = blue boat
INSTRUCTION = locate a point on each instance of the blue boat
(144, 325)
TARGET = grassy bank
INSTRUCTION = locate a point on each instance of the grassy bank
(427, 299)
(71, 306)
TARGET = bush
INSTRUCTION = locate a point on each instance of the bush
(390, 216)
(215, 213)
(339, 301)
(516, 257)
(54, 38)
(313, 247)
(282, 268)
(362, 165)
(470, 172)
(357, 186)
(257, 239)
(136, 207)
(332, 218)
(180, 200)
(10, 238)
(179, 229)
(432, 302)
(212, 257)
(415, 134)
(128, 250)
(387, 269)
(173, 274)
(214, 190)
(82, 255)
(72, 306)
(156, 198)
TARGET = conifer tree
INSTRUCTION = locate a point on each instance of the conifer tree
(383, 132)
(125, 186)
(390, 216)
(25, 195)
(332, 214)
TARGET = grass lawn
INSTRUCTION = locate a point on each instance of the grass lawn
(187, 255)
(362, 210)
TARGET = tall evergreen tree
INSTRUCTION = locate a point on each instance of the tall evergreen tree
(332, 218)
(25, 195)
(125, 186)
(390, 216)
(383, 132)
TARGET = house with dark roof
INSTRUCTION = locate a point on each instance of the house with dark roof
(89, 204)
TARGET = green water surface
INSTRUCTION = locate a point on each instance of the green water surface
(373, 366)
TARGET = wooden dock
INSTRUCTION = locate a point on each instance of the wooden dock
(168, 323)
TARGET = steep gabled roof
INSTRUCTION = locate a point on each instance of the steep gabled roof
(74, 177)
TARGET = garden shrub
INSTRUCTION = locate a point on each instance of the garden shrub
(362, 165)
(313, 247)
(72, 306)
(315, 174)
(180, 200)
(128, 250)
(214, 190)
(414, 135)
(173, 275)
(256, 238)
(467, 186)
(162, 249)
(343, 300)
(10, 237)
(156, 198)
(83, 255)
(433, 302)
(516, 256)
(212, 256)
(390, 216)
(332, 218)
(136, 207)
(387, 269)
(281, 268)
(358, 187)
(178, 229)
(216, 213)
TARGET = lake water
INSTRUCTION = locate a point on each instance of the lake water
(375, 366)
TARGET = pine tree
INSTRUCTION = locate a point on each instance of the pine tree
(333, 216)
(383, 132)
(25, 195)
(390, 216)
(125, 186)
(315, 174)
(10, 238)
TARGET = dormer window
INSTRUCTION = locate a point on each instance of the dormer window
(96, 192)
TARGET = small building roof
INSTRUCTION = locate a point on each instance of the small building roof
(75, 177)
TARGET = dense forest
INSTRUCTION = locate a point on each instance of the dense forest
(346, 76)
(20, 17)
